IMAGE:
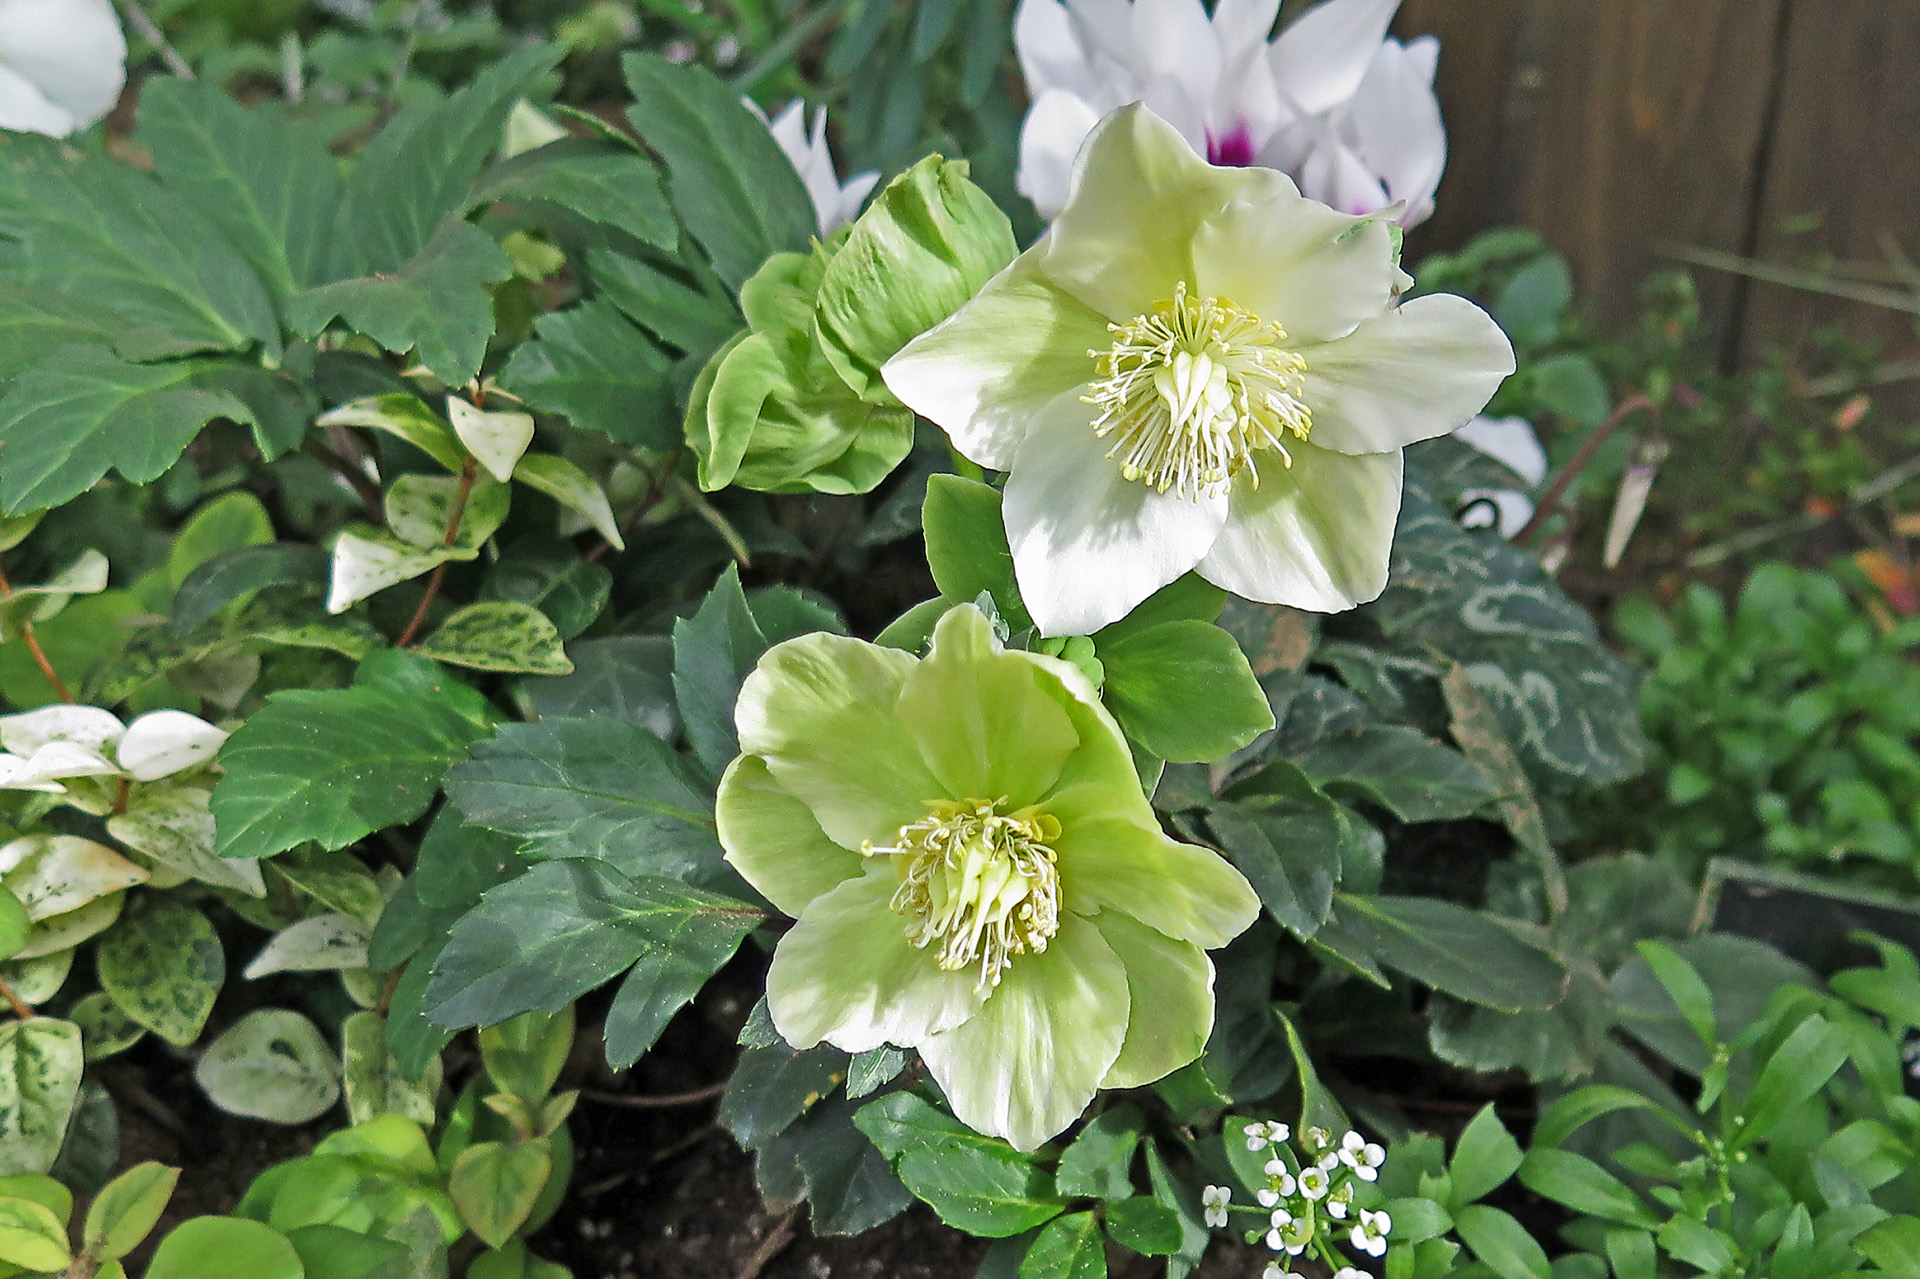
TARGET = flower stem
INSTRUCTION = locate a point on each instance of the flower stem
(460, 497)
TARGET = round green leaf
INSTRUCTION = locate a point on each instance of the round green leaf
(273, 1065)
(495, 1184)
(31, 1236)
(500, 635)
(127, 1208)
(225, 1248)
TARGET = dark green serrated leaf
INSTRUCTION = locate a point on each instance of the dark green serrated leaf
(65, 423)
(596, 787)
(553, 577)
(99, 229)
(626, 677)
(847, 1184)
(687, 318)
(773, 1086)
(333, 765)
(269, 186)
(1467, 954)
(1099, 1162)
(1288, 847)
(980, 1190)
(420, 168)
(544, 939)
(435, 303)
(734, 189)
(34, 323)
(1404, 771)
(602, 183)
(713, 651)
(593, 366)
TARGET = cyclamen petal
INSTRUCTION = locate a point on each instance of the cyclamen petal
(62, 64)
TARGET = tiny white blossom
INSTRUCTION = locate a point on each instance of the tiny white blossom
(1274, 1271)
(1318, 1139)
(1361, 1155)
(1370, 1236)
(1260, 1134)
(1348, 1272)
(1268, 1198)
(1314, 1182)
(1214, 1199)
(1340, 1201)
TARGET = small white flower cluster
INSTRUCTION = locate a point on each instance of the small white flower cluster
(1308, 1191)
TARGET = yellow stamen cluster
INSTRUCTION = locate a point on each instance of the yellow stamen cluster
(980, 882)
(1191, 391)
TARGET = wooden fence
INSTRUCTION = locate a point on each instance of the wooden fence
(1787, 130)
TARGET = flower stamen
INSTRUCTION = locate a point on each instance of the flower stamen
(981, 882)
(1192, 390)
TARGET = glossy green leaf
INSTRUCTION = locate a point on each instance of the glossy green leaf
(495, 1184)
(712, 653)
(31, 1236)
(1099, 1162)
(234, 576)
(225, 1248)
(1184, 690)
(1577, 1182)
(1501, 1243)
(127, 1208)
(1068, 1247)
(1485, 1156)
(967, 545)
(1465, 953)
(986, 1191)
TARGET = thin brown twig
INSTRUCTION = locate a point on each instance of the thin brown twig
(643, 1101)
(385, 1005)
(20, 1007)
(362, 484)
(656, 488)
(38, 654)
(460, 496)
(1550, 500)
(150, 32)
(777, 1239)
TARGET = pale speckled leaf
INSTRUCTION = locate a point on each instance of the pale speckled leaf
(419, 507)
(63, 932)
(174, 827)
(499, 635)
(573, 488)
(374, 1081)
(1565, 702)
(37, 980)
(404, 416)
(105, 1028)
(164, 967)
(365, 563)
(40, 1063)
(319, 943)
(272, 1064)
(55, 874)
(496, 439)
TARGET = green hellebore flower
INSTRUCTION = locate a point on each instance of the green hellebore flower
(975, 873)
(1198, 369)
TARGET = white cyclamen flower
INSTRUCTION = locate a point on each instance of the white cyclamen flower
(1511, 442)
(62, 64)
(834, 202)
(1214, 1199)
(1198, 369)
(1348, 113)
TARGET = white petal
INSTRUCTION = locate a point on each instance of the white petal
(1510, 513)
(1296, 263)
(1088, 543)
(988, 371)
(1334, 174)
(58, 760)
(73, 50)
(1242, 23)
(1055, 128)
(163, 742)
(1395, 120)
(1420, 370)
(1315, 535)
(87, 726)
(1509, 441)
(853, 193)
(1030, 1060)
(847, 975)
(1173, 40)
(1320, 59)
(23, 107)
(1051, 53)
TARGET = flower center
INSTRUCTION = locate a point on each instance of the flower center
(1192, 390)
(981, 883)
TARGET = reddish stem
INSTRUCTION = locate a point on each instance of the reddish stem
(39, 654)
(1550, 500)
(20, 1009)
(467, 474)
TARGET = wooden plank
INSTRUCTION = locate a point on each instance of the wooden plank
(1622, 124)
(1844, 168)
(1476, 59)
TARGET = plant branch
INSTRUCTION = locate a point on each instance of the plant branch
(362, 484)
(38, 654)
(656, 489)
(20, 1009)
(642, 1101)
(1550, 500)
(460, 497)
(150, 32)
(777, 1239)
(1872, 491)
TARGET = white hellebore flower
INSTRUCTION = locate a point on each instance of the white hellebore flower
(1511, 442)
(1214, 1200)
(834, 203)
(1349, 114)
(1198, 369)
(62, 64)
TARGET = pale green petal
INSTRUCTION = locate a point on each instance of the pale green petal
(1026, 1065)
(1316, 272)
(845, 974)
(1139, 194)
(988, 722)
(985, 371)
(774, 842)
(819, 711)
(1315, 535)
(1420, 370)
(1089, 544)
(1185, 891)
(1170, 993)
